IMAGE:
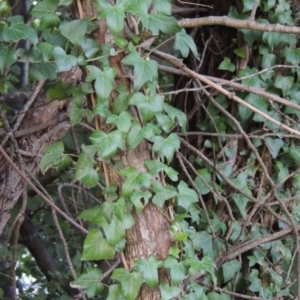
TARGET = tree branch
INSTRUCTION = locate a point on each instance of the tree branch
(238, 24)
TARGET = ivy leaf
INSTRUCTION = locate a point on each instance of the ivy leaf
(55, 157)
(177, 270)
(294, 153)
(284, 83)
(159, 22)
(203, 181)
(96, 247)
(74, 31)
(163, 7)
(64, 62)
(206, 266)
(108, 143)
(137, 134)
(248, 5)
(274, 145)
(230, 268)
(166, 147)
(203, 240)
(85, 172)
(19, 31)
(149, 269)
(165, 122)
(184, 43)
(104, 81)
(149, 106)
(7, 57)
(134, 180)
(227, 65)
(89, 281)
(122, 121)
(111, 208)
(144, 69)
(115, 292)
(186, 196)
(291, 55)
(175, 113)
(130, 282)
(46, 11)
(114, 15)
(168, 292)
(155, 166)
(162, 193)
(94, 215)
(135, 198)
(114, 231)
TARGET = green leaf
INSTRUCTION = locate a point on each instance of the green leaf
(274, 145)
(163, 7)
(114, 230)
(122, 121)
(230, 268)
(203, 240)
(149, 106)
(144, 69)
(46, 11)
(94, 215)
(115, 292)
(159, 22)
(64, 62)
(7, 57)
(165, 122)
(114, 15)
(162, 193)
(166, 148)
(227, 65)
(96, 247)
(74, 31)
(203, 181)
(40, 71)
(168, 292)
(184, 43)
(149, 269)
(52, 156)
(134, 180)
(205, 266)
(130, 282)
(89, 281)
(114, 208)
(85, 171)
(19, 31)
(104, 81)
(186, 196)
(294, 153)
(137, 134)
(241, 203)
(248, 5)
(284, 83)
(175, 113)
(108, 143)
(135, 198)
(291, 55)
(155, 166)
(177, 270)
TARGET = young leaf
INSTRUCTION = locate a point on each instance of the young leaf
(96, 247)
(130, 282)
(46, 11)
(115, 292)
(149, 269)
(175, 113)
(94, 215)
(144, 69)
(166, 147)
(135, 198)
(203, 181)
(162, 193)
(159, 22)
(89, 282)
(122, 121)
(186, 196)
(184, 43)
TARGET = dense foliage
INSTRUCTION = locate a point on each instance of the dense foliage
(218, 110)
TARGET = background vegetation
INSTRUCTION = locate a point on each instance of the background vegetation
(152, 151)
